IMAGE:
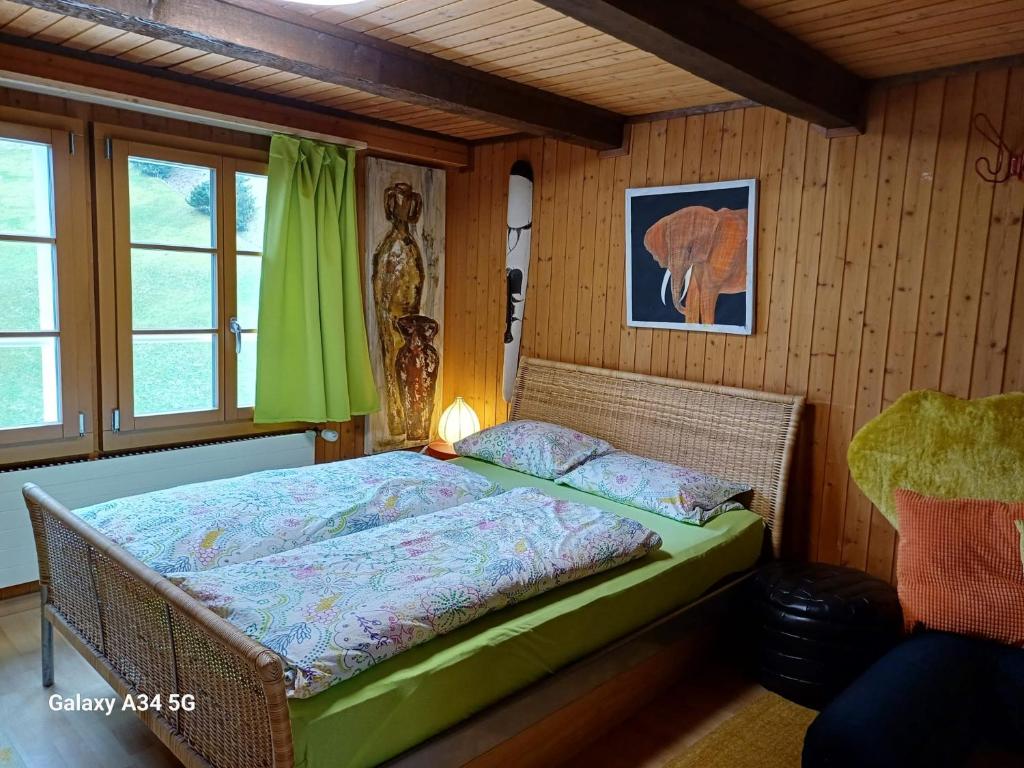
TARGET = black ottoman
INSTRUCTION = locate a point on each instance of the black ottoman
(815, 628)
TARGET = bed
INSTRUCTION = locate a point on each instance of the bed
(444, 701)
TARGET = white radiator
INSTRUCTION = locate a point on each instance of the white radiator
(83, 483)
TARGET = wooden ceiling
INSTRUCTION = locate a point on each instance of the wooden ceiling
(21, 21)
(883, 38)
(528, 43)
(874, 38)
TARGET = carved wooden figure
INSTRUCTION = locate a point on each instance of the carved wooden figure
(398, 277)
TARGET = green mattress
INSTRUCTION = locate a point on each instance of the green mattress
(390, 708)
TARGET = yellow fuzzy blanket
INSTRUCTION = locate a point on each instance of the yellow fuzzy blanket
(942, 446)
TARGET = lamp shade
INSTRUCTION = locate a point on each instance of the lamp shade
(458, 421)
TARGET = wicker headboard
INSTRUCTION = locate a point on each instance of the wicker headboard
(737, 434)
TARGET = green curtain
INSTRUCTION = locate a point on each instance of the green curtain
(312, 360)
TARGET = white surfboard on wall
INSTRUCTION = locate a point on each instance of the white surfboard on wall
(517, 266)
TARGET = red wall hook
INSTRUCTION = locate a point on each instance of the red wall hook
(1008, 164)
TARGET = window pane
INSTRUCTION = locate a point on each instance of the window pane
(27, 300)
(26, 197)
(171, 203)
(250, 205)
(247, 371)
(29, 382)
(172, 290)
(249, 290)
(175, 373)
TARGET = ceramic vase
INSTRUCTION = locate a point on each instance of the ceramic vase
(416, 367)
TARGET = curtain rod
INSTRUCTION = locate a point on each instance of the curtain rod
(161, 109)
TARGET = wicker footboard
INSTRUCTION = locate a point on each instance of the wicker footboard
(146, 636)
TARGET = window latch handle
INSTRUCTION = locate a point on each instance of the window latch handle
(236, 328)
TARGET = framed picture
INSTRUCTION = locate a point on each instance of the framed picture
(690, 256)
(404, 272)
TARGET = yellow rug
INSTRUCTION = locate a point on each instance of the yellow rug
(767, 733)
(9, 757)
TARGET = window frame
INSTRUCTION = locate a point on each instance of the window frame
(74, 298)
(112, 147)
(232, 167)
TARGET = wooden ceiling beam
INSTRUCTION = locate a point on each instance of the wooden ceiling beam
(732, 47)
(42, 67)
(257, 33)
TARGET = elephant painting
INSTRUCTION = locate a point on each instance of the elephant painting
(690, 256)
(704, 254)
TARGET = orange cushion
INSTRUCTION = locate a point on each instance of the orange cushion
(959, 566)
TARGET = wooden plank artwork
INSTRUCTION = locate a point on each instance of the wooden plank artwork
(884, 264)
(403, 235)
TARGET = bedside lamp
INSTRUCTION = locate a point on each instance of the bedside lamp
(458, 421)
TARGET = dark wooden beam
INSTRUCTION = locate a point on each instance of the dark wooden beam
(980, 65)
(252, 32)
(37, 66)
(724, 43)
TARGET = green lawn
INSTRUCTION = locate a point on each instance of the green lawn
(171, 290)
(21, 364)
(22, 213)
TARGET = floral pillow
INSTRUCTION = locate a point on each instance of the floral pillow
(656, 486)
(534, 447)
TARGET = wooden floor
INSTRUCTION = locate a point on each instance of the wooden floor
(47, 739)
(43, 738)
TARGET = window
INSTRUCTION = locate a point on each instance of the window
(43, 306)
(250, 209)
(187, 239)
(158, 325)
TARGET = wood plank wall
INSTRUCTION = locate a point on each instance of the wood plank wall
(885, 264)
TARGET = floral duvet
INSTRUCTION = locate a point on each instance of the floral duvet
(206, 525)
(336, 608)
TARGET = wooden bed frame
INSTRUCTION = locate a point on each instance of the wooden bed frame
(145, 635)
